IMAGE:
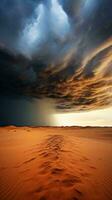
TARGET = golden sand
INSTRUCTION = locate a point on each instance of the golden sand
(55, 163)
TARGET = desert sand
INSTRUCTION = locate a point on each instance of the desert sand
(55, 163)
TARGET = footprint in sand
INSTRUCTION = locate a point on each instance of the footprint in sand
(57, 171)
(30, 160)
(71, 181)
(77, 195)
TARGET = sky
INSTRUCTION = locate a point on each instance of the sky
(56, 62)
(102, 118)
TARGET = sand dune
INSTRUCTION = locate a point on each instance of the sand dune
(55, 163)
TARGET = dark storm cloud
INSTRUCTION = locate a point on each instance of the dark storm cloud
(13, 14)
(57, 49)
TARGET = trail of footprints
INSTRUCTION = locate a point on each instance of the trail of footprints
(51, 155)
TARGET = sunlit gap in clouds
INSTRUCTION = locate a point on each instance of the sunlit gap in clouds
(45, 22)
(33, 31)
(59, 19)
(91, 118)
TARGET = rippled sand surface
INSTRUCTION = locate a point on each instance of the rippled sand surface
(55, 163)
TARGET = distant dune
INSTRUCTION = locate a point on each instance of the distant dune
(49, 163)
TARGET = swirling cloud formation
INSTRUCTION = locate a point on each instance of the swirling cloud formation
(60, 49)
